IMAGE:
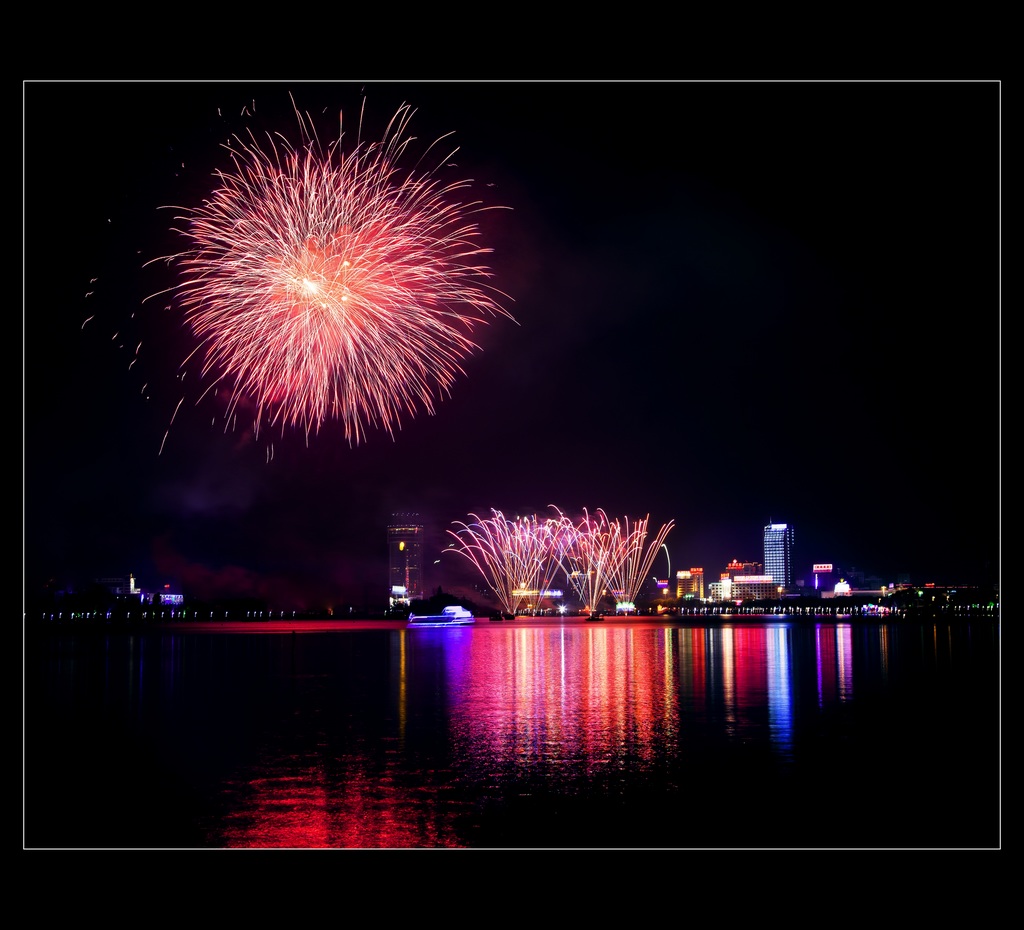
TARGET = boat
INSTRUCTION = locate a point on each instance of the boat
(595, 616)
(450, 616)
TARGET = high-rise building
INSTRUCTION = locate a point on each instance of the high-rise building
(405, 559)
(778, 554)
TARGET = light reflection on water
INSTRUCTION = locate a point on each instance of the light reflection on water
(529, 733)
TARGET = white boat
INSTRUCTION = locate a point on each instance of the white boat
(450, 616)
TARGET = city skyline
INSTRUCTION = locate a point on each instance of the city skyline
(749, 325)
(409, 579)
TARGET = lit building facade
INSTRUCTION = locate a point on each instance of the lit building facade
(121, 586)
(736, 567)
(405, 559)
(824, 577)
(128, 589)
(778, 554)
(753, 588)
(740, 588)
(690, 584)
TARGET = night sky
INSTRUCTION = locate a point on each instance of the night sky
(735, 303)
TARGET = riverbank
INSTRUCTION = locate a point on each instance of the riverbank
(326, 624)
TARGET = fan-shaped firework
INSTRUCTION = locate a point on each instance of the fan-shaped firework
(520, 559)
(514, 557)
(324, 284)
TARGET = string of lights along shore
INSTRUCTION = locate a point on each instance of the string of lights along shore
(589, 563)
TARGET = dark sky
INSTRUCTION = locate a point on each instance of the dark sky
(736, 303)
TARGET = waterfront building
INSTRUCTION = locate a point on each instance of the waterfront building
(778, 554)
(405, 559)
(754, 588)
(740, 588)
(736, 567)
(122, 586)
(824, 576)
(126, 588)
(690, 584)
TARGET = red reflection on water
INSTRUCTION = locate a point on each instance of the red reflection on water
(565, 703)
(567, 697)
(694, 667)
(282, 626)
(834, 663)
(300, 808)
(318, 801)
(745, 659)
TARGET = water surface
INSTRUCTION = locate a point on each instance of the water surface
(531, 733)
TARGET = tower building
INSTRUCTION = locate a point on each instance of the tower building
(778, 554)
(405, 559)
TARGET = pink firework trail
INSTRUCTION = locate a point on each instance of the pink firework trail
(323, 284)
(598, 557)
(632, 558)
(512, 556)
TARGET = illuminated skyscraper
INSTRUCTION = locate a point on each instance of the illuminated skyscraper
(778, 553)
(405, 559)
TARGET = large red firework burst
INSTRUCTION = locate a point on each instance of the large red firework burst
(324, 284)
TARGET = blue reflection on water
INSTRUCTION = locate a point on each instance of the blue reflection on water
(780, 695)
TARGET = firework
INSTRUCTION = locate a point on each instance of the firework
(512, 556)
(520, 559)
(324, 284)
(632, 559)
(585, 556)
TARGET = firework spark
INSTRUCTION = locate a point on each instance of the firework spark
(321, 283)
(520, 559)
(514, 557)
(632, 559)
